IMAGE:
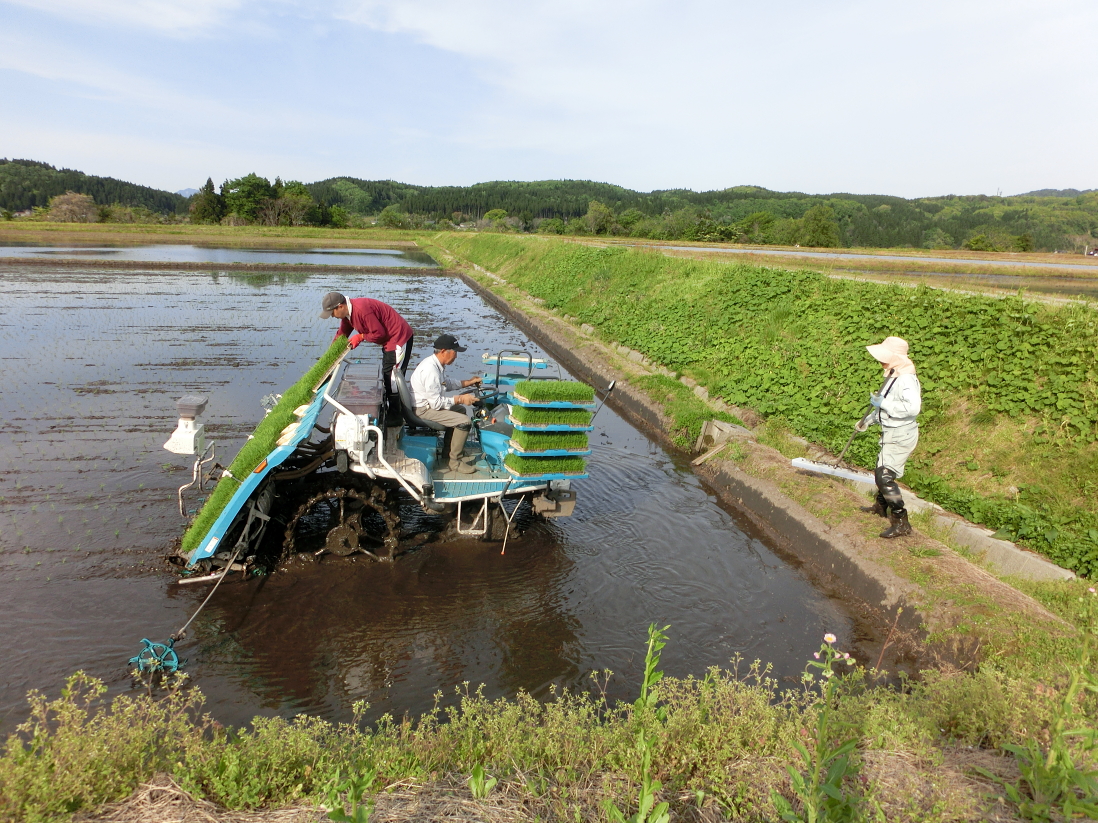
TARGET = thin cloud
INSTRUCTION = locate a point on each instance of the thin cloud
(172, 17)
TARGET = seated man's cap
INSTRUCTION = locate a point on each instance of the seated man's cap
(330, 301)
(448, 341)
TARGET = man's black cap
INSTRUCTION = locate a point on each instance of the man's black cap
(448, 341)
(330, 301)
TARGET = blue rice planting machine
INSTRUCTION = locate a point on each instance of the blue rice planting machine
(354, 477)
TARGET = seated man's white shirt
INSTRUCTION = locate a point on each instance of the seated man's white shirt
(429, 381)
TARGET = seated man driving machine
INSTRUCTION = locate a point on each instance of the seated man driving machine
(428, 384)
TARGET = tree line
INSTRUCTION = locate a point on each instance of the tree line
(1046, 220)
(29, 184)
(255, 200)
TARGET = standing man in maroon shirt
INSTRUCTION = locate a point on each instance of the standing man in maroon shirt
(375, 322)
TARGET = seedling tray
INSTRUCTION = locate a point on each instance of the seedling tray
(552, 427)
(517, 449)
(519, 400)
(538, 478)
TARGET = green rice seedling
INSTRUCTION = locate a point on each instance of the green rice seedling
(544, 465)
(555, 391)
(551, 417)
(544, 441)
(261, 444)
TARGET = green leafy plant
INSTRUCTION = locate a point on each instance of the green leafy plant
(645, 707)
(550, 417)
(355, 788)
(1059, 782)
(818, 781)
(521, 464)
(545, 441)
(555, 391)
(480, 784)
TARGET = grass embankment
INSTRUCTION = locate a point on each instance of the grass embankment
(1010, 420)
(260, 445)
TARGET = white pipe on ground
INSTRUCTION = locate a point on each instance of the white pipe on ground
(835, 471)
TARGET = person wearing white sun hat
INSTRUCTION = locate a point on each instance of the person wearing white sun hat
(896, 407)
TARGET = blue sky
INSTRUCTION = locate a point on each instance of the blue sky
(905, 98)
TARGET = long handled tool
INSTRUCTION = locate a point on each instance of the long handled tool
(867, 418)
(859, 427)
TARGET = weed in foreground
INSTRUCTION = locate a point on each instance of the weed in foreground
(355, 788)
(480, 784)
(827, 763)
(646, 708)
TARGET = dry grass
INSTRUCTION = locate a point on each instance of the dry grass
(163, 801)
(905, 786)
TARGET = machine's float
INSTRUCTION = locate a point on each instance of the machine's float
(326, 473)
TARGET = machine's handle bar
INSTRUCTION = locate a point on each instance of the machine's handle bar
(380, 442)
(529, 365)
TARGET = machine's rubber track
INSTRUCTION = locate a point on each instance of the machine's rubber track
(350, 534)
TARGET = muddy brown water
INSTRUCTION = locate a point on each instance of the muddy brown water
(91, 365)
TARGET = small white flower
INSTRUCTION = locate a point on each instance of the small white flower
(829, 638)
(816, 655)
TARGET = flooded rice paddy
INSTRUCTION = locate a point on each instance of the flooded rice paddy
(92, 363)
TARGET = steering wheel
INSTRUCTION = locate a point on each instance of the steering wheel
(482, 392)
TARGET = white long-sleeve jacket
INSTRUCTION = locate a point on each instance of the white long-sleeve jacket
(428, 383)
(903, 400)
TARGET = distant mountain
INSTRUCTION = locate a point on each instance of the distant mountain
(1056, 193)
(187, 192)
(28, 183)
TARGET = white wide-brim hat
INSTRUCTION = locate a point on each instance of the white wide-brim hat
(890, 349)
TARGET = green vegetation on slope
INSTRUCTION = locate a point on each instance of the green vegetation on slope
(261, 444)
(1009, 431)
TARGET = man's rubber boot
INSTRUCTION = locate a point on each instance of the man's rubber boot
(879, 507)
(897, 524)
(459, 466)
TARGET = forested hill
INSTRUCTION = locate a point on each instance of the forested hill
(25, 184)
(1056, 220)
(1044, 220)
(545, 198)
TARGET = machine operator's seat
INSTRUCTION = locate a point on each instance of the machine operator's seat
(416, 424)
